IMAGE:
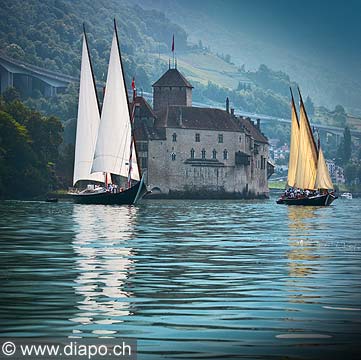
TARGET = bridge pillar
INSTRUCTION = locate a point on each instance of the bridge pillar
(50, 91)
(7, 79)
(25, 83)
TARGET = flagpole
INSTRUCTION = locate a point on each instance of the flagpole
(173, 51)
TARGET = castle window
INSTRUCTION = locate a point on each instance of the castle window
(144, 162)
(240, 138)
(192, 153)
(214, 154)
(174, 137)
(173, 156)
(203, 154)
(198, 137)
(142, 146)
(225, 154)
(220, 138)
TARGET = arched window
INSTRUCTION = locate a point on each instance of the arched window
(214, 154)
(174, 136)
(173, 156)
(192, 153)
(225, 154)
(203, 154)
(240, 138)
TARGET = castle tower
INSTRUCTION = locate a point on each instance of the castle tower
(172, 89)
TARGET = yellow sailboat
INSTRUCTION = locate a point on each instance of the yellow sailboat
(308, 181)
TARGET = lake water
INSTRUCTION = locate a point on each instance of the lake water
(188, 279)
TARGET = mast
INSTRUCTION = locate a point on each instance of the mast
(308, 123)
(114, 142)
(131, 112)
(106, 175)
(307, 153)
(91, 68)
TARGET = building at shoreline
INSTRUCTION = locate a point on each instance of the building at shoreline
(192, 152)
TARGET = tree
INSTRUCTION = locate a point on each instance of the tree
(29, 145)
(351, 172)
(347, 144)
(11, 94)
(309, 106)
(344, 149)
(340, 115)
(227, 58)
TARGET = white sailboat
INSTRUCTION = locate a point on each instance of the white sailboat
(307, 169)
(105, 143)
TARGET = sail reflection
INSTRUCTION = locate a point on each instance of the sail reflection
(302, 259)
(103, 264)
(301, 255)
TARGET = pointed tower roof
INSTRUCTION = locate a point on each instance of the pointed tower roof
(172, 78)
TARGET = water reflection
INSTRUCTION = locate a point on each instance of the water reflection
(302, 251)
(303, 261)
(103, 264)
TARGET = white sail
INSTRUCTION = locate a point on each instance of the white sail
(87, 123)
(114, 138)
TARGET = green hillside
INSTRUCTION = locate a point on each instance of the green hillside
(48, 34)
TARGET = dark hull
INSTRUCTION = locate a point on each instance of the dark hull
(126, 197)
(320, 200)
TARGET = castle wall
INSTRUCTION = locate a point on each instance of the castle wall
(172, 171)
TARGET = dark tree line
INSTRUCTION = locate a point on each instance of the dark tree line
(29, 149)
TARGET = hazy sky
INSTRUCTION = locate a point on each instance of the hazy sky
(327, 27)
(316, 42)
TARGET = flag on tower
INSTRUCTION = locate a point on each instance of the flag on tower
(173, 44)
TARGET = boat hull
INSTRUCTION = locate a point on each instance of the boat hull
(126, 197)
(319, 200)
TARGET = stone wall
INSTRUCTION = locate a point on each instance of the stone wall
(172, 170)
(165, 96)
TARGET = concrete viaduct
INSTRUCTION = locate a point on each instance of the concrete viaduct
(27, 77)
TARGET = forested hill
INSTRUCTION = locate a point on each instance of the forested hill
(48, 34)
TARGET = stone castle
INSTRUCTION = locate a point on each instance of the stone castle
(193, 152)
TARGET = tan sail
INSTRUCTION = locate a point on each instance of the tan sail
(307, 154)
(323, 179)
(295, 132)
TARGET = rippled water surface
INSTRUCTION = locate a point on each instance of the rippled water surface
(188, 279)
